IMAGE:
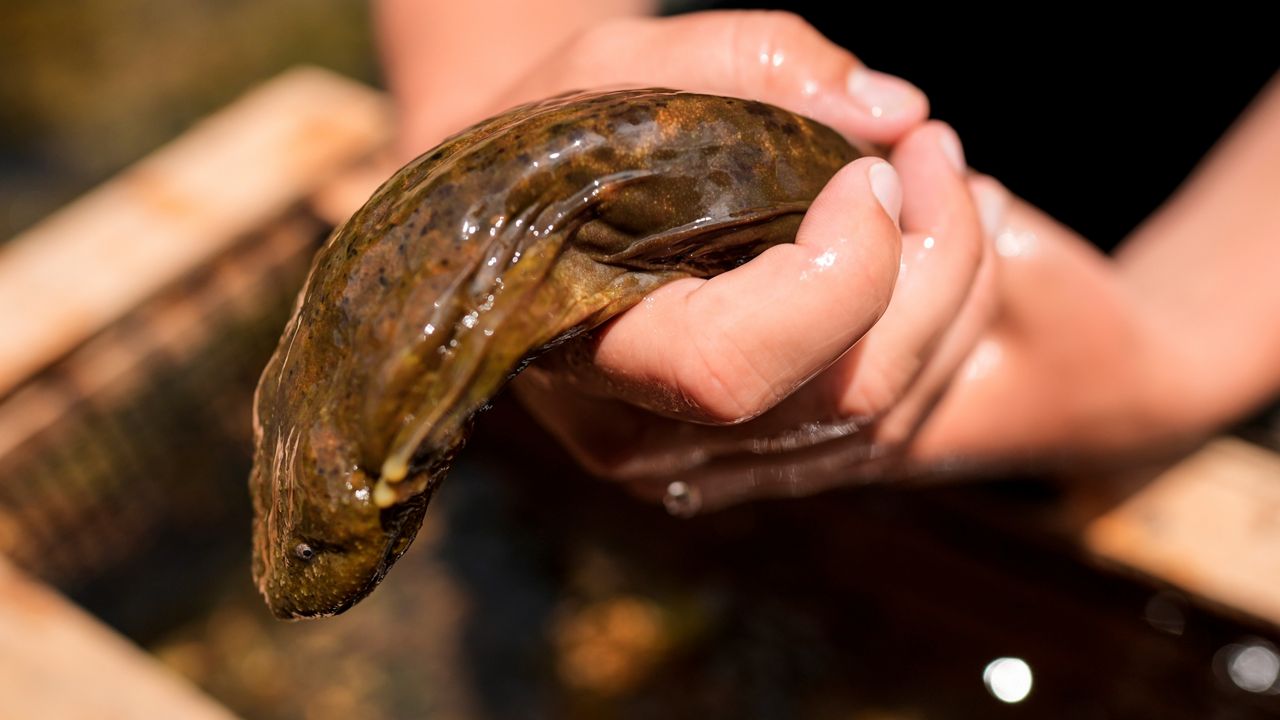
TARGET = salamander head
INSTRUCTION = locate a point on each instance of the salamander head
(321, 539)
(321, 543)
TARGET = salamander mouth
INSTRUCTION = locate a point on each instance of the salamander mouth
(400, 523)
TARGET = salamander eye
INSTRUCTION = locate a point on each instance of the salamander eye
(304, 551)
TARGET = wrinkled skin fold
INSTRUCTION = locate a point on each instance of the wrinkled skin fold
(514, 235)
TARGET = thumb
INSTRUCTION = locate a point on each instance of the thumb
(726, 349)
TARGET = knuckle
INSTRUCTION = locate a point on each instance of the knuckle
(763, 39)
(601, 39)
(893, 433)
(784, 25)
(875, 393)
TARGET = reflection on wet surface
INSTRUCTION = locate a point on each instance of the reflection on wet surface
(549, 595)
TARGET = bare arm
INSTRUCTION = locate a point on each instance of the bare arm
(1169, 341)
(1209, 265)
(444, 61)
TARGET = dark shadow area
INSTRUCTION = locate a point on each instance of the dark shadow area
(1094, 121)
(876, 600)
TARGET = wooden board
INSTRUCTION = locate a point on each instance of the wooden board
(1209, 525)
(57, 662)
(92, 262)
(151, 264)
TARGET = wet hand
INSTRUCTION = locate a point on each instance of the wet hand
(1076, 364)
(812, 365)
(758, 361)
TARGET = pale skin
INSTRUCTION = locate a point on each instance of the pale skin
(892, 338)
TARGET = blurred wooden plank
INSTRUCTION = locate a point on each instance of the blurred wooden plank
(1209, 525)
(92, 262)
(103, 449)
(57, 662)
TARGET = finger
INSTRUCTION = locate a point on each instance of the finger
(1058, 304)
(942, 248)
(725, 350)
(723, 482)
(873, 454)
(775, 57)
(619, 441)
(609, 438)
(339, 198)
(709, 482)
(654, 449)
(962, 336)
(943, 300)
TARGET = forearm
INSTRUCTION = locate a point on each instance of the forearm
(445, 61)
(1208, 266)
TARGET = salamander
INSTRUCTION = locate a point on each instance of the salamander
(520, 233)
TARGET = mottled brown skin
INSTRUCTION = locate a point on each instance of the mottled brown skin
(519, 233)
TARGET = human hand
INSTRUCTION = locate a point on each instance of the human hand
(1077, 364)
(1087, 358)
(725, 379)
(1084, 351)
(744, 384)
(565, 45)
(1073, 362)
(774, 57)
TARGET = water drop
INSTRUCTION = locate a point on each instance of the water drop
(682, 499)
(826, 259)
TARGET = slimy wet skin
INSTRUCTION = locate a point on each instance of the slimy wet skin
(517, 234)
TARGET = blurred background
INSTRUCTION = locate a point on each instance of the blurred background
(94, 85)
(532, 591)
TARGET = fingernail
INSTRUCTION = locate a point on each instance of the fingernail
(887, 188)
(879, 94)
(992, 203)
(951, 147)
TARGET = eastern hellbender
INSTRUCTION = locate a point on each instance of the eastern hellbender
(519, 233)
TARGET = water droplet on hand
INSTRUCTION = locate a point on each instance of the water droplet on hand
(682, 499)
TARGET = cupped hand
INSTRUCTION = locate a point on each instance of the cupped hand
(1052, 355)
(809, 366)
(852, 332)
